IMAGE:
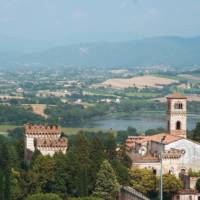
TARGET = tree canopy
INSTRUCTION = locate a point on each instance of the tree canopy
(41, 196)
(107, 186)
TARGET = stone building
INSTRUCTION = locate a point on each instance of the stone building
(187, 195)
(46, 139)
(179, 154)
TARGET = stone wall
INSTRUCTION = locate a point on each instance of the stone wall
(128, 193)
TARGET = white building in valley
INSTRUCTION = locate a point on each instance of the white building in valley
(46, 139)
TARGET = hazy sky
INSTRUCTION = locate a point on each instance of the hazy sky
(98, 19)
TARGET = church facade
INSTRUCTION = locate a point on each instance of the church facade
(178, 153)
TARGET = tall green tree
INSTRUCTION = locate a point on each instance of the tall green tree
(143, 180)
(86, 198)
(196, 133)
(107, 186)
(5, 170)
(111, 145)
(82, 155)
(122, 172)
(43, 167)
(171, 185)
(41, 196)
(123, 157)
(60, 175)
(97, 155)
(198, 185)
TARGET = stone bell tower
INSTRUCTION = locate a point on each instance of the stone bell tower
(177, 115)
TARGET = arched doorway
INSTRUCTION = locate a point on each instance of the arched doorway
(178, 125)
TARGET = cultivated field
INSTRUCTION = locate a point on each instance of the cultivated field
(139, 82)
(189, 77)
(38, 109)
(5, 128)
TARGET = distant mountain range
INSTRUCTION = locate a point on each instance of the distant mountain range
(174, 51)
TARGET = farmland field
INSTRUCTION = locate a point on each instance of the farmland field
(139, 82)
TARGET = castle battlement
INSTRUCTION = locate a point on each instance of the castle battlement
(51, 143)
(45, 138)
(44, 130)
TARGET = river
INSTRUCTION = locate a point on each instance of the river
(141, 122)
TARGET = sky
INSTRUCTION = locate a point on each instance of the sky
(70, 21)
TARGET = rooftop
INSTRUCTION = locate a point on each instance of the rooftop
(164, 138)
(52, 143)
(42, 129)
(177, 95)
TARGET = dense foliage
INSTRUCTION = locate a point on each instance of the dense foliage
(68, 175)
(198, 185)
(71, 114)
(107, 186)
(91, 168)
(86, 198)
(18, 115)
(41, 196)
(144, 181)
(170, 186)
(195, 134)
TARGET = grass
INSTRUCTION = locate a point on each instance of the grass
(173, 77)
(142, 94)
(4, 128)
(73, 131)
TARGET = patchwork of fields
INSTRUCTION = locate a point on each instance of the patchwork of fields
(140, 82)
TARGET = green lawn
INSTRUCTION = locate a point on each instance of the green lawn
(143, 94)
(5, 128)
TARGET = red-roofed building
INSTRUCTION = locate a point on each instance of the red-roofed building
(46, 139)
(178, 152)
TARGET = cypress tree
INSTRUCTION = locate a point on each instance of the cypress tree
(107, 186)
(5, 170)
(196, 133)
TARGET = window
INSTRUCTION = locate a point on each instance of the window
(168, 125)
(178, 106)
(178, 125)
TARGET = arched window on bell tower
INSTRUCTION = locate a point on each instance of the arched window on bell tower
(178, 106)
(178, 125)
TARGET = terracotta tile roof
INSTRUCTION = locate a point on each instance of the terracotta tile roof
(146, 139)
(131, 140)
(165, 138)
(52, 143)
(42, 129)
(142, 159)
(177, 95)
